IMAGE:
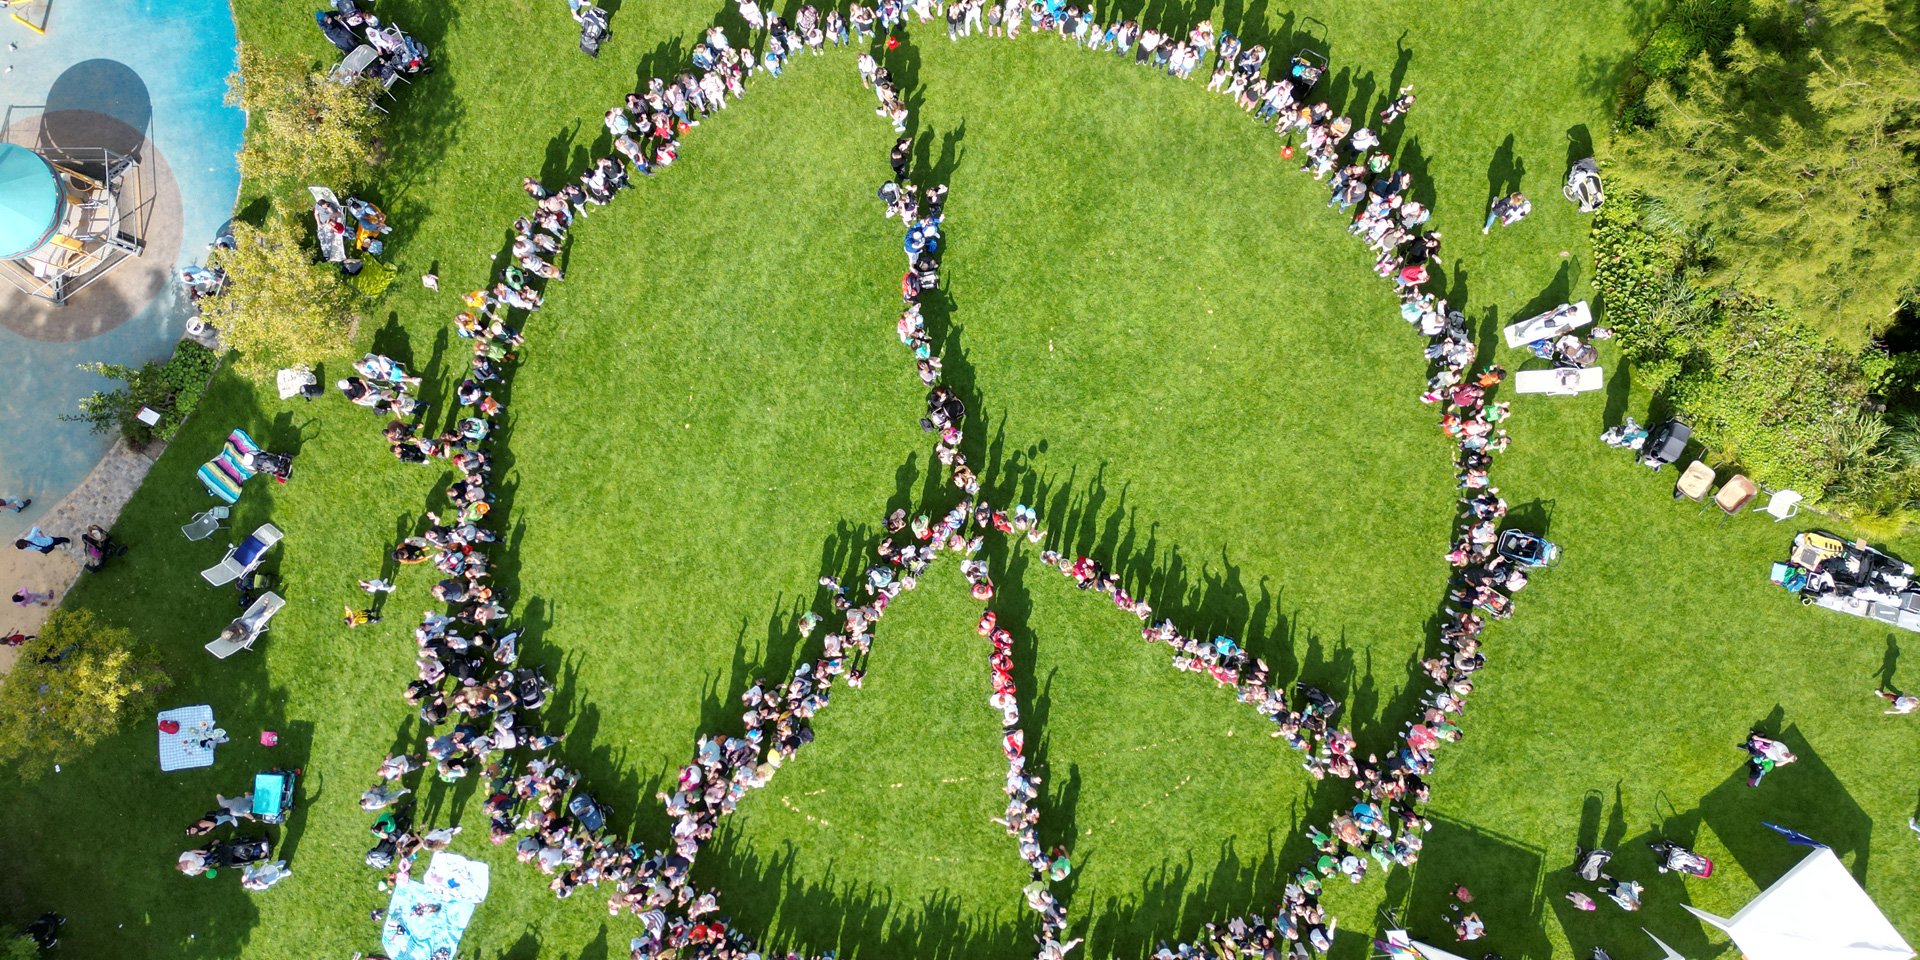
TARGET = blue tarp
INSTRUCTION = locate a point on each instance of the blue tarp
(430, 915)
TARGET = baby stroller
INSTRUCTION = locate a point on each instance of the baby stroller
(1306, 69)
(1527, 550)
(273, 795)
(277, 465)
(588, 811)
(593, 30)
(1584, 188)
(1588, 864)
(1667, 444)
(98, 545)
(1675, 857)
(241, 851)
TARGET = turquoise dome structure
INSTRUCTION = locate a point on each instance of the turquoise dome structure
(30, 201)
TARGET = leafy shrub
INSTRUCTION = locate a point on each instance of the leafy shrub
(1756, 382)
(1693, 27)
(171, 388)
(75, 684)
(1669, 50)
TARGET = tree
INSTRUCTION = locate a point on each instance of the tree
(300, 123)
(78, 682)
(1795, 144)
(278, 308)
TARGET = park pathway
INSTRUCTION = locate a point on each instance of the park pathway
(98, 499)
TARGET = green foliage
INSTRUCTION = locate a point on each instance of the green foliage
(300, 124)
(19, 947)
(1794, 147)
(1692, 28)
(278, 308)
(171, 388)
(100, 677)
(1757, 383)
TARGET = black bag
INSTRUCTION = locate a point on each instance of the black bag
(381, 856)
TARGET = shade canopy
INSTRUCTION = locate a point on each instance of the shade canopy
(29, 201)
(1815, 912)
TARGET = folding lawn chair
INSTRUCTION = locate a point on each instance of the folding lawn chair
(254, 622)
(1694, 482)
(1734, 496)
(1781, 504)
(205, 523)
(242, 557)
(356, 63)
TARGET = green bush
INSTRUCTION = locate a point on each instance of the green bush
(1756, 382)
(171, 388)
(1672, 46)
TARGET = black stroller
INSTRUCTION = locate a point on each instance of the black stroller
(1666, 444)
(240, 851)
(1527, 550)
(593, 30)
(588, 811)
(1674, 857)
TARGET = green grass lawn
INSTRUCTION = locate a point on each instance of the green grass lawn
(1173, 351)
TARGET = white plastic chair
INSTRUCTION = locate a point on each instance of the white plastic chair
(204, 524)
(356, 63)
(1782, 504)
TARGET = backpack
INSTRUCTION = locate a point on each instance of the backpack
(381, 856)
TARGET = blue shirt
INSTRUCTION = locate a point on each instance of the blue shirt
(37, 538)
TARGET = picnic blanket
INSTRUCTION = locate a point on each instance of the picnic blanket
(429, 915)
(182, 750)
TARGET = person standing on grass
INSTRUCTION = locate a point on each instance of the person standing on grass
(750, 12)
(1508, 210)
(1902, 702)
(901, 158)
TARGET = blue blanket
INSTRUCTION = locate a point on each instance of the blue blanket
(426, 918)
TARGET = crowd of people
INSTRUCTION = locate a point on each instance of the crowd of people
(347, 27)
(466, 669)
(467, 672)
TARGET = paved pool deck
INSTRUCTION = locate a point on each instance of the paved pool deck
(142, 76)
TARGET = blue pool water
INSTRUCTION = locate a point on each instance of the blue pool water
(161, 67)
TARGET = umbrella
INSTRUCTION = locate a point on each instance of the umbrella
(1793, 836)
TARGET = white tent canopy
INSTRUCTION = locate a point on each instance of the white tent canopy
(1428, 952)
(1815, 912)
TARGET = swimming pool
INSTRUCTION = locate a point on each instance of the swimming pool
(144, 76)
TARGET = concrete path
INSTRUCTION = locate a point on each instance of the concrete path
(98, 499)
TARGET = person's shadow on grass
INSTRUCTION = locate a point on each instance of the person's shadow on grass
(1504, 171)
